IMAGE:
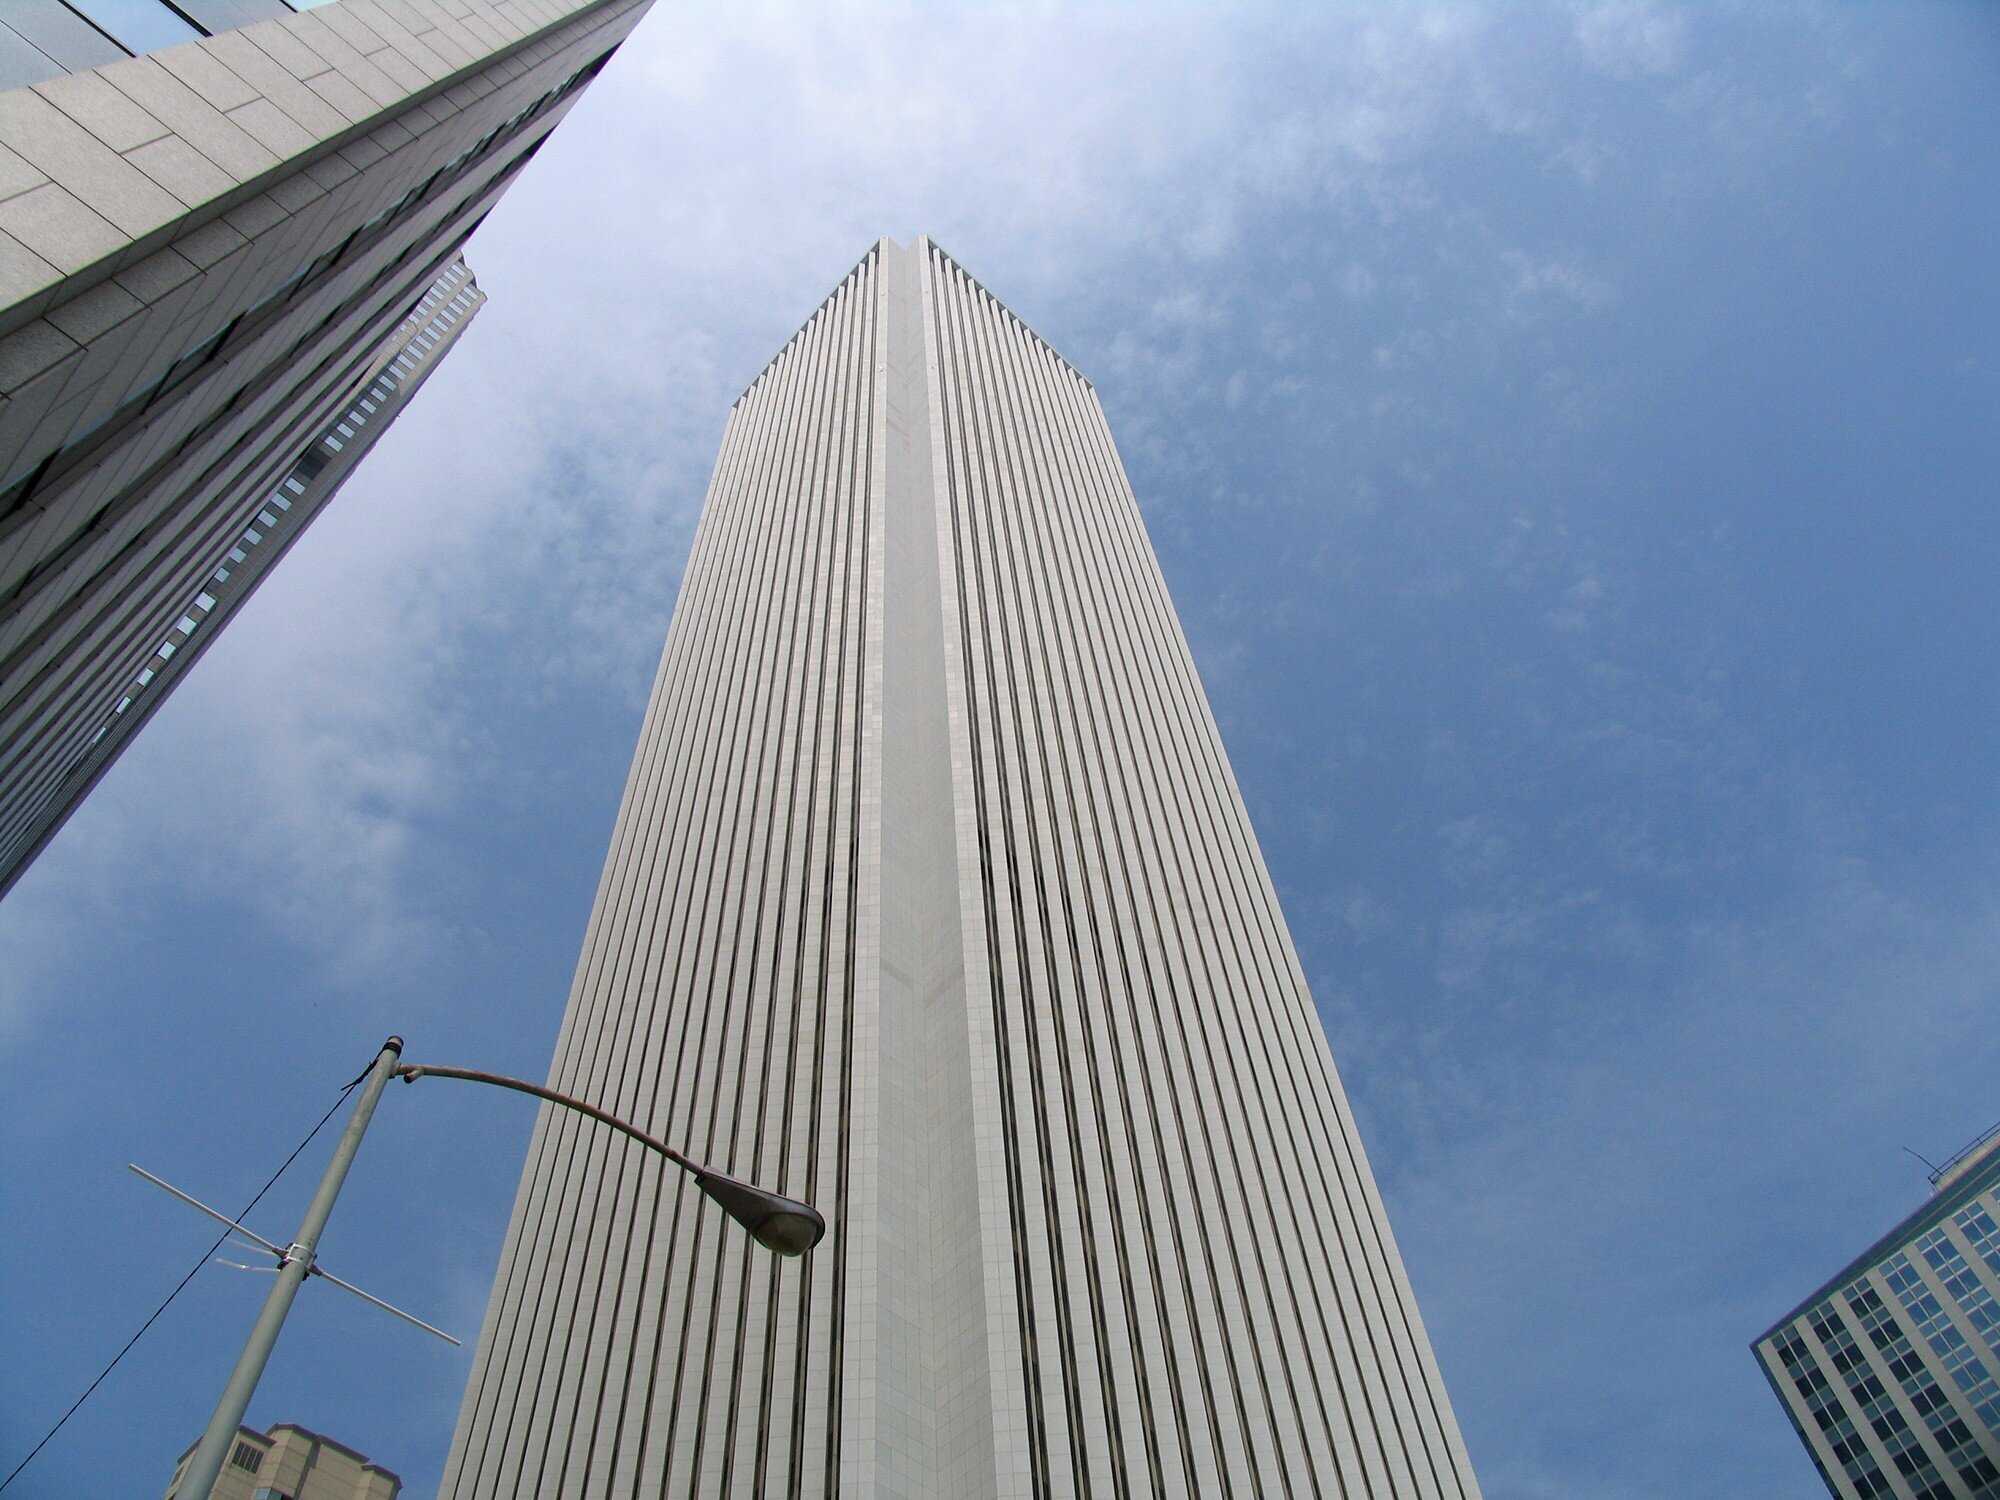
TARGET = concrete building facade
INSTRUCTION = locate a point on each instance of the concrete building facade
(210, 246)
(291, 1463)
(1890, 1371)
(45, 776)
(932, 900)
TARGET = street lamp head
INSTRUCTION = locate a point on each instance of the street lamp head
(780, 1224)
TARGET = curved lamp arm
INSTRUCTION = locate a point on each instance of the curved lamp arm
(784, 1225)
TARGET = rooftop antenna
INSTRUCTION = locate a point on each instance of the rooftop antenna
(254, 1242)
(1936, 1171)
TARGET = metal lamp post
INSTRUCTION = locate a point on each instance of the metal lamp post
(783, 1225)
(780, 1224)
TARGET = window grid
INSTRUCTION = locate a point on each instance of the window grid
(1826, 1410)
(1975, 1468)
(1963, 1283)
(277, 505)
(1981, 1233)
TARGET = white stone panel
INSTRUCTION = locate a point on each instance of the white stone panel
(932, 899)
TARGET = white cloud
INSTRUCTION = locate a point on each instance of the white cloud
(1169, 187)
(1366, 915)
(1533, 281)
(1648, 1140)
(705, 193)
(1183, 308)
(1631, 38)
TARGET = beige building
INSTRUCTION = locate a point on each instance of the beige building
(290, 1463)
(932, 900)
(218, 219)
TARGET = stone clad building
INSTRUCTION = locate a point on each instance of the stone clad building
(932, 900)
(229, 232)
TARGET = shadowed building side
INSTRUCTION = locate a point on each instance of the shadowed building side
(932, 899)
(49, 764)
(205, 251)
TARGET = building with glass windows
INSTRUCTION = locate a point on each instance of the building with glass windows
(51, 773)
(1890, 1372)
(228, 228)
(932, 900)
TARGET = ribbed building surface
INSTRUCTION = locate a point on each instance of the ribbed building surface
(206, 252)
(932, 900)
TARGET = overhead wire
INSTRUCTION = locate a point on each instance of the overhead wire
(182, 1284)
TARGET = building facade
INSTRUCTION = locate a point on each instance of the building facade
(932, 900)
(1890, 1372)
(290, 1463)
(45, 777)
(218, 219)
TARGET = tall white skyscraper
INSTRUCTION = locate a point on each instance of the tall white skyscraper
(932, 900)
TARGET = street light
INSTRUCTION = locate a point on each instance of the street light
(780, 1224)
(784, 1225)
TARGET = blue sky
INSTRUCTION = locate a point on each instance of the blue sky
(1568, 434)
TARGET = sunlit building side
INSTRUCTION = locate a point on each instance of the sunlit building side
(932, 900)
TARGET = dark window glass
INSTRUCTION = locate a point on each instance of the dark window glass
(48, 38)
(23, 63)
(221, 15)
(142, 25)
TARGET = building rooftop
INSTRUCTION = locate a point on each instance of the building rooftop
(1966, 1158)
(1964, 1176)
(353, 1474)
(889, 243)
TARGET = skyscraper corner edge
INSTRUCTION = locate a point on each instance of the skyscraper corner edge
(148, 418)
(180, 137)
(898, 914)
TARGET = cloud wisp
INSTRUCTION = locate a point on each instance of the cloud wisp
(1511, 421)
